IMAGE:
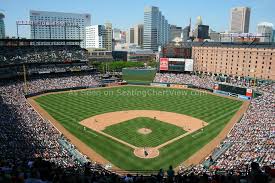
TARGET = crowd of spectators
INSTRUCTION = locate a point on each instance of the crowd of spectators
(204, 81)
(24, 135)
(41, 54)
(26, 139)
(58, 69)
(198, 81)
(41, 171)
(253, 138)
(42, 84)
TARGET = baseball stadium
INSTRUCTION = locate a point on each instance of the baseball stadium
(63, 118)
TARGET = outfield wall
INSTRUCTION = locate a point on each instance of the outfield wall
(62, 89)
(231, 94)
(136, 75)
(176, 85)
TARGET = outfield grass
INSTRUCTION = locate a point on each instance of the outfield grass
(161, 132)
(70, 108)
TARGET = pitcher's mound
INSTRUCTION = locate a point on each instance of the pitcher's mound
(144, 131)
(147, 152)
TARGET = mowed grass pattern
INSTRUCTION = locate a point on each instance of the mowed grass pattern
(128, 132)
(70, 108)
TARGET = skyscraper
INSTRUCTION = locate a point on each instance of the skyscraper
(186, 33)
(131, 35)
(66, 31)
(196, 28)
(108, 36)
(174, 32)
(265, 29)
(156, 29)
(138, 34)
(240, 18)
(2, 26)
(199, 21)
(203, 32)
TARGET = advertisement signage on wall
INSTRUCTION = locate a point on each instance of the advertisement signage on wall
(249, 92)
(188, 65)
(159, 84)
(178, 86)
(163, 66)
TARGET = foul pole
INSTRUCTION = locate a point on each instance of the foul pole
(25, 80)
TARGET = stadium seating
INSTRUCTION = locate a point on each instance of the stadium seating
(41, 54)
(25, 138)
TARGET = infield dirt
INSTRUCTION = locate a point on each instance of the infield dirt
(196, 158)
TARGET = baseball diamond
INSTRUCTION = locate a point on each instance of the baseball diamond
(107, 120)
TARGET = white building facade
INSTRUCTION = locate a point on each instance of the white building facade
(99, 36)
(59, 25)
(94, 36)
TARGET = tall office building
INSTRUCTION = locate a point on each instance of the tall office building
(199, 21)
(240, 18)
(156, 29)
(131, 35)
(186, 34)
(108, 36)
(199, 27)
(62, 25)
(273, 37)
(138, 34)
(174, 32)
(94, 36)
(265, 29)
(2, 26)
(203, 32)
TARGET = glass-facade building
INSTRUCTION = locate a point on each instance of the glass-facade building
(156, 29)
(2, 26)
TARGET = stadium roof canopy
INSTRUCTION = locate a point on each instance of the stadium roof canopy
(234, 44)
(26, 42)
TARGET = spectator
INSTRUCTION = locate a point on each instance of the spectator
(170, 174)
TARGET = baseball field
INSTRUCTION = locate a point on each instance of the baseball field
(140, 127)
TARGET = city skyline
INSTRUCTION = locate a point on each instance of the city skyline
(177, 13)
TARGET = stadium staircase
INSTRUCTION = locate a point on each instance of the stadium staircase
(72, 151)
(217, 153)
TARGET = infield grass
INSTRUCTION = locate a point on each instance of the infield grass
(128, 132)
(72, 107)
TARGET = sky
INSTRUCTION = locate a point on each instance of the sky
(126, 13)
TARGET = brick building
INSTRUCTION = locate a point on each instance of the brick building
(235, 59)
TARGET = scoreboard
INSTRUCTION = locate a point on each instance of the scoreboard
(176, 64)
